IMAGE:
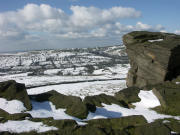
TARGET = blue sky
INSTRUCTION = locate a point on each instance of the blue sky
(43, 24)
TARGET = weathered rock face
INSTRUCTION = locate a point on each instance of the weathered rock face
(11, 90)
(154, 57)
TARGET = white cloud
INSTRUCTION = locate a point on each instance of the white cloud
(142, 26)
(163, 31)
(177, 32)
(43, 24)
(83, 16)
(44, 18)
(122, 29)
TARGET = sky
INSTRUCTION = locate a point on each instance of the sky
(55, 24)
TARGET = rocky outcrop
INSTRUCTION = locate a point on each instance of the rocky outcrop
(11, 90)
(154, 57)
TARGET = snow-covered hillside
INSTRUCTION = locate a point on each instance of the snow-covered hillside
(69, 58)
(48, 67)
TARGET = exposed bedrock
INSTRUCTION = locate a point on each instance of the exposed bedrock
(154, 57)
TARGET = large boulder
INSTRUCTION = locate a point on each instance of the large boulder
(73, 105)
(154, 57)
(10, 90)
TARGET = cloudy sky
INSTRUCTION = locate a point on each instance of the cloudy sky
(46, 24)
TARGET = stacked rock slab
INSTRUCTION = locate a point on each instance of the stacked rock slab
(154, 57)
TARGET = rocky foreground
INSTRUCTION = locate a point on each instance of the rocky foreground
(154, 66)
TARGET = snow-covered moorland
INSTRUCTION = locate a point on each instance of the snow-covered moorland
(76, 72)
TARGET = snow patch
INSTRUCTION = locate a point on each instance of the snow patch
(156, 40)
(174, 133)
(166, 121)
(52, 71)
(177, 82)
(47, 109)
(103, 112)
(24, 126)
(83, 89)
(13, 106)
(148, 100)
